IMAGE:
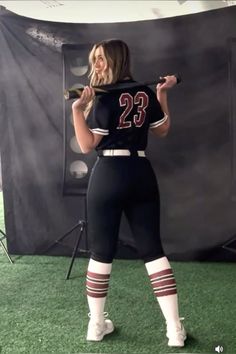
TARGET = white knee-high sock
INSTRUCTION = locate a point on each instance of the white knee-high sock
(164, 287)
(97, 283)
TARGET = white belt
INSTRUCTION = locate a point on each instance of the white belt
(121, 152)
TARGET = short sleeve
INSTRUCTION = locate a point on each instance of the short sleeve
(157, 116)
(98, 118)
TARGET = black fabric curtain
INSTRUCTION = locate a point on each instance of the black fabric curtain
(194, 164)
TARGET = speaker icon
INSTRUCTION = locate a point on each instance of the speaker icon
(219, 349)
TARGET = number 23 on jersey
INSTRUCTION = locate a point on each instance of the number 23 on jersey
(139, 102)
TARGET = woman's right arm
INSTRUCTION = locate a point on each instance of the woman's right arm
(86, 139)
(162, 130)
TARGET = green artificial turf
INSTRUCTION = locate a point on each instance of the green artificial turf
(42, 313)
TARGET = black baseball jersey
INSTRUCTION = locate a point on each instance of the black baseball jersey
(124, 117)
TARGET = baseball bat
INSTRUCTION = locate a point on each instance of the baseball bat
(76, 92)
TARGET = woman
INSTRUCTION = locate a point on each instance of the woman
(123, 180)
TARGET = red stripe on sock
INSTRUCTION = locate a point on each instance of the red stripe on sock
(96, 294)
(160, 283)
(98, 276)
(163, 272)
(166, 293)
(95, 285)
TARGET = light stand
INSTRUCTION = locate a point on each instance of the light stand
(3, 246)
(81, 224)
(230, 245)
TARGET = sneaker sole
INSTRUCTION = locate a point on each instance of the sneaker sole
(100, 338)
(177, 345)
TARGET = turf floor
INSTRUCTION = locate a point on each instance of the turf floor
(42, 313)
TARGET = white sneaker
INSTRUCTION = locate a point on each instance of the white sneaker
(176, 336)
(97, 330)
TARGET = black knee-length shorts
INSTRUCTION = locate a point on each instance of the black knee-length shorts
(123, 184)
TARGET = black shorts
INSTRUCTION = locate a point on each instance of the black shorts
(123, 184)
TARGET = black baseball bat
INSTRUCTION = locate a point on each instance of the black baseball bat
(76, 92)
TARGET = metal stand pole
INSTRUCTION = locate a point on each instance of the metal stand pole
(82, 227)
(3, 246)
(58, 241)
(230, 245)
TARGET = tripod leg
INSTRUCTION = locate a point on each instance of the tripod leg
(61, 238)
(5, 250)
(3, 246)
(75, 250)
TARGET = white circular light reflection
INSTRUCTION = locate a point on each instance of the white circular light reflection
(76, 85)
(74, 145)
(71, 119)
(79, 66)
(79, 70)
(78, 169)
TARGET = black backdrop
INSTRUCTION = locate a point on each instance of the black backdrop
(195, 164)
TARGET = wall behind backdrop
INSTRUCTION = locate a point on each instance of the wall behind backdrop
(44, 173)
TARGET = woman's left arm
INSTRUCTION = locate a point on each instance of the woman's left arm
(86, 139)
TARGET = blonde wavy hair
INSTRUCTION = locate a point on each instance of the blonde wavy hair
(117, 56)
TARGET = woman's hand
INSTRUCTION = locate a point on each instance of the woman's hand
(81, 103)
(170, 81)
